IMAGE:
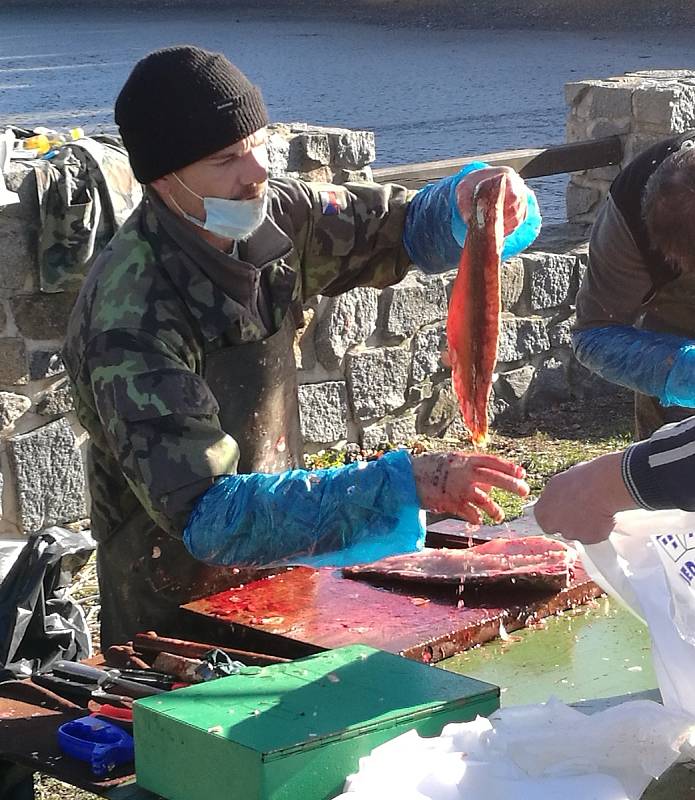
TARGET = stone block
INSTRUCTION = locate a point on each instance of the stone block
(606, 98)
(441, 411)
(548, 277)
(419, 392)
(20, 178)
(364, 175)
(45, 364)
(347, 319)
(583, 200)
(56, 401)
(670, 108)
(278, 154)
(323, 411)
(550, 386)
(317, 175)
(17, 254)
(574, 91)
(561, 333)
(377, 380)
(352, 149)
(511, 283)
(43, 316)
(12, 407)
(651, 75)
(521, 337)
(428, 345)
(499, 409)
(47, 470)
(514, 383)
(416, 301)
(403, 430)
(613, 126)
(308, 151)
(576, 129)
(13, 362)
(374, 436)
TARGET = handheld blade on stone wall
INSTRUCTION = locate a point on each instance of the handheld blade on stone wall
(7, 197)
(39, 622)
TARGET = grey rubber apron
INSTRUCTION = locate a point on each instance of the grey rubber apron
(255, 385)
(671, 311)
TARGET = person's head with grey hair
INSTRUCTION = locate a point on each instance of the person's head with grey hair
(668, 208)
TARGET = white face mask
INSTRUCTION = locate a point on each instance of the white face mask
(231, 219)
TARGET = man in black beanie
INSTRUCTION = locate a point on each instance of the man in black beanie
(180, 352)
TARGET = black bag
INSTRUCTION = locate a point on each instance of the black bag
(39, 623)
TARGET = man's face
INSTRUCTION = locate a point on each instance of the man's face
(237, 172)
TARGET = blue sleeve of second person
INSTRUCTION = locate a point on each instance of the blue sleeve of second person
(435, 232)
(327, 517)
(658, 364)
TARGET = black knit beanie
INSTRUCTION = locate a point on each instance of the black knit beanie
(181, 104)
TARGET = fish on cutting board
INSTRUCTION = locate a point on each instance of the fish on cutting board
(525, 562)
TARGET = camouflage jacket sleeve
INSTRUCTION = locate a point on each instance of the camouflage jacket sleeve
(160, 422)
(346, 236)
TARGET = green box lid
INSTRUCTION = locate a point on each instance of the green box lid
(338, 694)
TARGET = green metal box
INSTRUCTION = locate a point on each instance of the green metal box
(294, 731)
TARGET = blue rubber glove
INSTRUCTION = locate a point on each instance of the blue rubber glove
(661, 365)
(338, 516)
(435, 232)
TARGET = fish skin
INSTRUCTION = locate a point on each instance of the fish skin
(473, 320)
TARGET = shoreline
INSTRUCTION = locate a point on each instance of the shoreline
(567, 15)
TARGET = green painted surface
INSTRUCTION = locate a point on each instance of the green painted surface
(598, 650)
(294, 730)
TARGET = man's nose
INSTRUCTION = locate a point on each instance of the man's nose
(256, 165)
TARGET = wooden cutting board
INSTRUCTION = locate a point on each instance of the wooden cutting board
(321, 608)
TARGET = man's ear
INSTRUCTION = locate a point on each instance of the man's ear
(162, 185)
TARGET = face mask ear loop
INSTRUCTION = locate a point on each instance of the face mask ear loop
(187, 188)
(183, 213)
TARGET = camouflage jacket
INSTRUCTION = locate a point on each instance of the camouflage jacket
(159, 298)
(85, 194)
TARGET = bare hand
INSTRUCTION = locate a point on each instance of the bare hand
(514, 199)
(581, 502)
(459, 483)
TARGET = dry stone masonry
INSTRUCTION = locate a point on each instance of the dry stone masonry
(370, 367)
(642, 107)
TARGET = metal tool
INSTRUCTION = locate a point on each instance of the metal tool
(105, 678)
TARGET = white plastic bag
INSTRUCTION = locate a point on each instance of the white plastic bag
(648, 563)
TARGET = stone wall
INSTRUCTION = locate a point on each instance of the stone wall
(642, 107)
(371, 368)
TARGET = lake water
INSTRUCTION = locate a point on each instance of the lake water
(426, 93)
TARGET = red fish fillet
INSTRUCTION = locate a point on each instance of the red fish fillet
(474, 309)
(534, 561)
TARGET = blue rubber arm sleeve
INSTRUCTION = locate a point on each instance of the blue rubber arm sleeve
(435, 232)
(658, 364)
(327, 517)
